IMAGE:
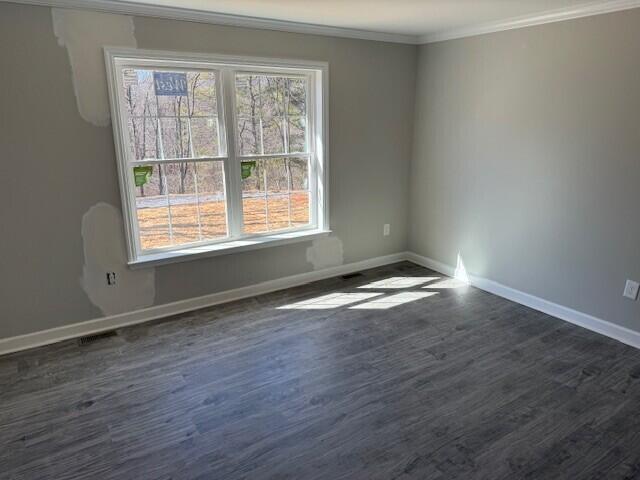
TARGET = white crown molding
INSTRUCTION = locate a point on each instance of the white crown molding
(204, 16)
(597, 325)
(550, 16)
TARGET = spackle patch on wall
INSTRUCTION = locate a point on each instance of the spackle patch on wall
(84, 34)
(325, 252)
(105, 251)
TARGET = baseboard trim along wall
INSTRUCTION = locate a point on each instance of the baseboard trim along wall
(603, 327)
(89, 327)
(54, 335)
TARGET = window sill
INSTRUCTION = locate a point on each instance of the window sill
(234, 246)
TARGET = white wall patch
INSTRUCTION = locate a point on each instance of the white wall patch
(325, 252)
(84, 34)
(104, 252)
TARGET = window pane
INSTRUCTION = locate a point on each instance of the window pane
(299, 191)
(196, 216)
(213, 211)
(249, 136)
(272, 95)
(178, 101)
(296, 133)
(180, 203)
(202, 94)
(175, 137)
(185, 221)
(139, 94)
(152, 210)
(271, 113)
(172, 106)
(273, 136)
(205, 137)
(144, 132)
(275, 194)
(248, 91)
(297, 88)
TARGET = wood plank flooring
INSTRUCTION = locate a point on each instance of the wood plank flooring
(415, 381)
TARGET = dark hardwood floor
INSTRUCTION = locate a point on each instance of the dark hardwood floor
(420, 382)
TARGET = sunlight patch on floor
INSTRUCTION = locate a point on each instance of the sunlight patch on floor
(394, 300)
(400, 282)
(333, 300)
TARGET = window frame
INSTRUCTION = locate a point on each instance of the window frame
(226, 68)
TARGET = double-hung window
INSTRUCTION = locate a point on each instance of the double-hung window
(216, 153)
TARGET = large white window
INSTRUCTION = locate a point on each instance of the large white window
(217, 154)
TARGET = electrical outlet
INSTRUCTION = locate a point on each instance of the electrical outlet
(631, 289)
(111, 278)
(386, 230)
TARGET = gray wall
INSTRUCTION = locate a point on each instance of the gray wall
(55, 165)
(527, 160)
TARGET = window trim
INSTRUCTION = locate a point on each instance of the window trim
(318, 72)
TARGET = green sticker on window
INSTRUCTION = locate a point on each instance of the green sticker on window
(247, 168)
(141, 174)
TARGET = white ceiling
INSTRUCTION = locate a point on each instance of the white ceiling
(404, 21)
(420, 18)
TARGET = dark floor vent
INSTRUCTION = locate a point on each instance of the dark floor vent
(351, 275)
(94, 338)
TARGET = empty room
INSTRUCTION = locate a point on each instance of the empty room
(320, 239)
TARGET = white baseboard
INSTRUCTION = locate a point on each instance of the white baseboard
(603, 327)
(45, 337)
